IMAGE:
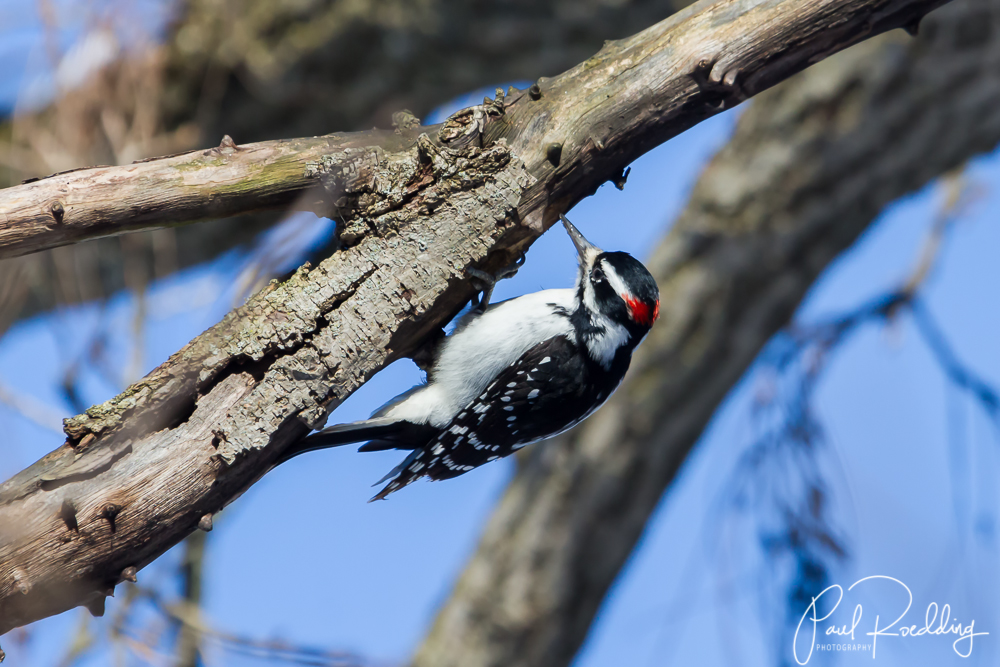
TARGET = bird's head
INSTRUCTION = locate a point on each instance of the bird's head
(615, 284)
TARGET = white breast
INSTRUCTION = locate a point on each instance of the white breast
(482, 347)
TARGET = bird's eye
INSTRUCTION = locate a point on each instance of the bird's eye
(597, 274)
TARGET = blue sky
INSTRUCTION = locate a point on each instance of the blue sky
(911, 462)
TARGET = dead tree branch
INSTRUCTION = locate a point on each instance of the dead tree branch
(250, 74)
(141, 471)
(631, 96)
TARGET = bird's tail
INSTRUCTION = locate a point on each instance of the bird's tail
(379, 432)
(340, 434)
(400, 476)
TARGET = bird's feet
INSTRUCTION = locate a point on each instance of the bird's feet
(485, 282)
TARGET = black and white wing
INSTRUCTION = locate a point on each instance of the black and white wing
(548, 390)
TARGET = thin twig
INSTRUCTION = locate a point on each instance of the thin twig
(31, 409)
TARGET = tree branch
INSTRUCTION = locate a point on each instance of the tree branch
(199, 185)
(193, 90)
(631, 96)
(810, 166)
(140, 471)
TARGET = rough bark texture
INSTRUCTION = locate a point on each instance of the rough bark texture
(631, 96)
(811, 164)
(139, 471)
(258, 69)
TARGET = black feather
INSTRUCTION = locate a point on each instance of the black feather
(382, 435)
(551, 388)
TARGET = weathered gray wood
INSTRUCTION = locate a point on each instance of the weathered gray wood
(810, 165)
(218, 182)
(631, 96)
(416, 211)
(317, 84)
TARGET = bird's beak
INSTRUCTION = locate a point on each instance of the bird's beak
(588, 251)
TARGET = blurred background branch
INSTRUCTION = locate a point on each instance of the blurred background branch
(39, 413)
(809, 167)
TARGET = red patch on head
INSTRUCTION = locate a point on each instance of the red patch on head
(641, 312)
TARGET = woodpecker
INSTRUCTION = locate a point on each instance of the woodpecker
(512, 373)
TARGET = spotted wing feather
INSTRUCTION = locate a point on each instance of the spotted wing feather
(550, 388)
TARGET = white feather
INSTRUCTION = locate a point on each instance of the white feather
(480, 348)
(617, 284)
(603, 347)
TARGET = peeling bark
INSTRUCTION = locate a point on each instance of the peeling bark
(415, 210)
(810, 166)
